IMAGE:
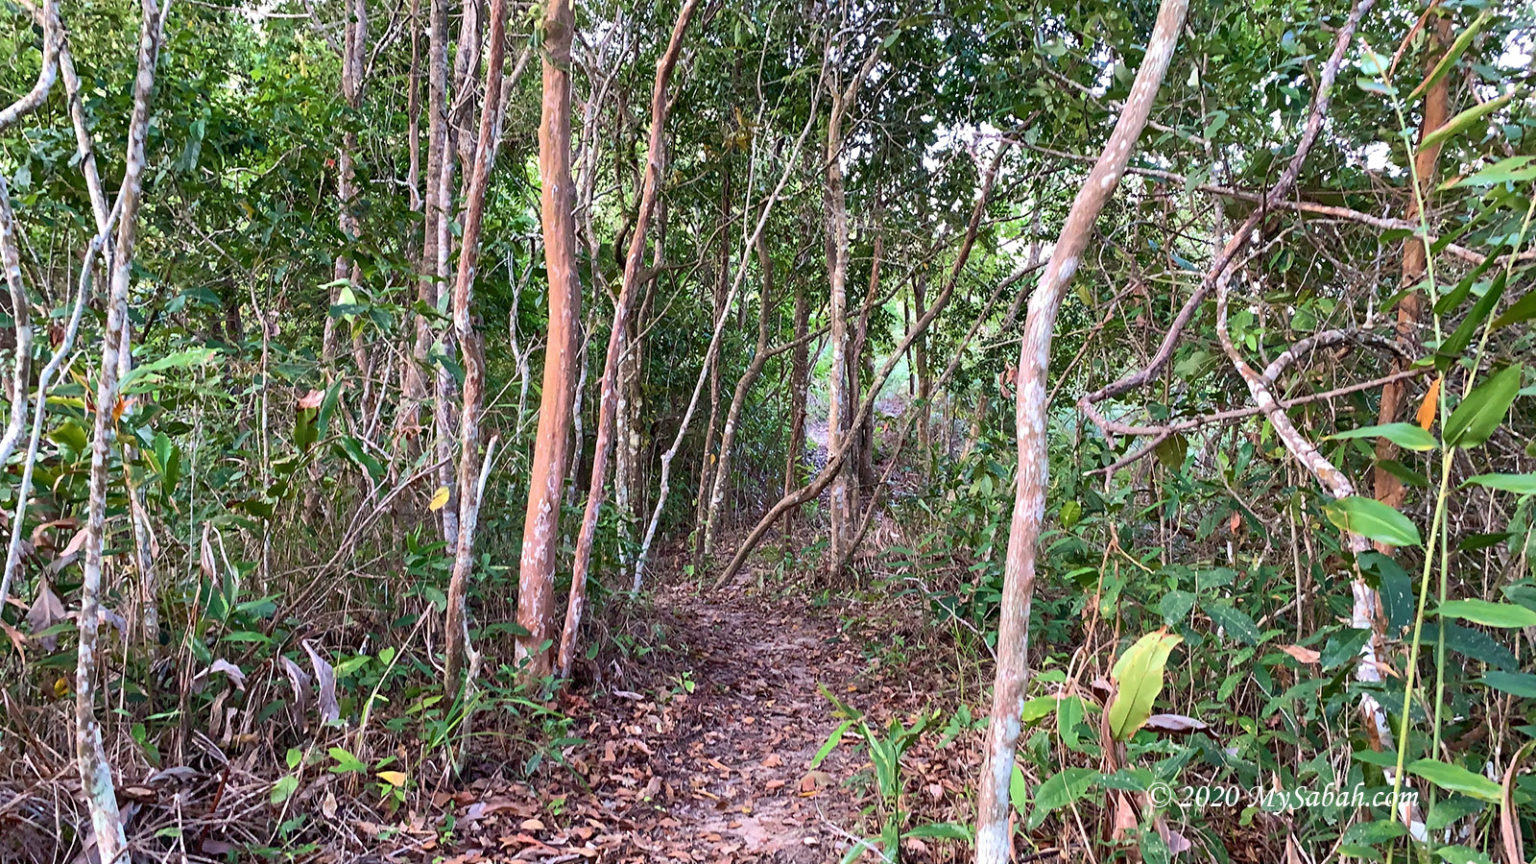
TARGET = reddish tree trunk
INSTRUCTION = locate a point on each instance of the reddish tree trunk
(541, 525)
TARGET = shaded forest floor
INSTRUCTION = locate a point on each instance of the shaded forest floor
(711, 759)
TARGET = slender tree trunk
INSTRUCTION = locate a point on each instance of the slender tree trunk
(541, 525)
(739, 398)
(353, 54)
(1410, 309)
(843, 510)
(993, 843)
(95, 772)
(799, 382)
(456, 632)
(708, 456)
(608, 399)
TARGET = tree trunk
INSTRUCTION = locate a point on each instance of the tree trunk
(95, 772)
(799, 382)
(739, 398)
(993, 843)
(541, 525)
(608, 398)
(1410, 309)
(841, 511)
(456, 632)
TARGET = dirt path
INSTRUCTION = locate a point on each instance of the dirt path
(721, 773)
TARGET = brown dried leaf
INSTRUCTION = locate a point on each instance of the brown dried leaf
(46, 611)
(312, 399)
(1302, 655)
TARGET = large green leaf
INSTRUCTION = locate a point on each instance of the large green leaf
(1520, 684)
(1464, 120)
(1489, 614)
(1405, 435)
(1139, 676)
(1515, 169)
(1483, 410)
(1520, 484)
(1454, 778)
(1060, 791)
(1372, 520)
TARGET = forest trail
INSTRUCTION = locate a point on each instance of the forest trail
(721, 773)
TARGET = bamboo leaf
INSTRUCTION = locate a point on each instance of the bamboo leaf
(1405, 435)
(1489, 614)
(1464, 120)
(1478, 415)
(1454, 778)
(1372, 520)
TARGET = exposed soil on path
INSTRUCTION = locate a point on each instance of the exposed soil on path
(721, 773)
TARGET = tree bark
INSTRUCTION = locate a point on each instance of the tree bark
(843, 509)
(95, 772)
(739, 398)
(456, 633)
(541, 525)
(993, 843)
(799, 381)
(617, 338)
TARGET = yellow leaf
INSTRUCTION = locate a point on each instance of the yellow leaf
(439, 498)
(393, 778)
(1427, 408)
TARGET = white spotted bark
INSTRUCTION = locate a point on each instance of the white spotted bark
(95, 772)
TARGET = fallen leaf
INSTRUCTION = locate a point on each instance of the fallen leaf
(1302, 655)
(439, 498)
(312, 399)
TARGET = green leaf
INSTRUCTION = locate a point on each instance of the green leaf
(1018, 790)
(1465, 119)
(1454, 778)
(1478, 415)
(1372, 520)
(1374, 833)
(284, 788)
(1520, 484)
(1237, 623)
(1451, 349)
(1488, 614)
(346, 763)
(1455, 51)
(1515, 169)
(1461, 855)
(141, 378)
(1059, 791)
(1139, 675)
(1516, 683)
(1343, 647)
(1523, 309)
(831, 743)
(941, 831)
(1405, 435)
